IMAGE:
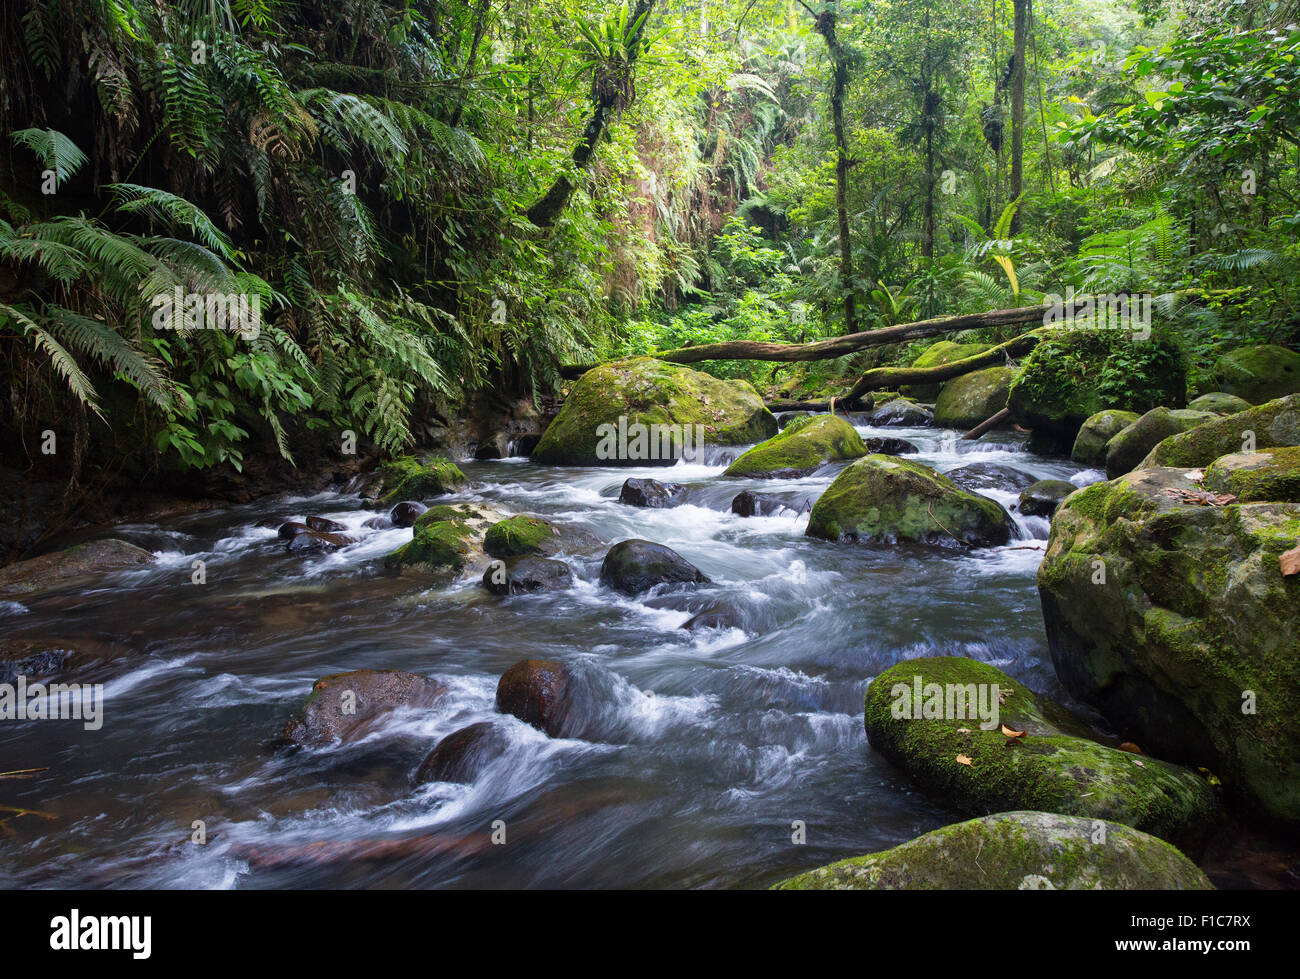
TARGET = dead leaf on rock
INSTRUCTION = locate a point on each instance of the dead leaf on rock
(963, 760)
(1131, 748)
(1011, 732)
(1289, 562)
(1195, 475)
(963, 730)
(1200, 497)
(1139, 762)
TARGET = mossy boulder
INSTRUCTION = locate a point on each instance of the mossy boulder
(1041, 499)
(1012, 851)
(972, 398)
(407, 478)
(519, 535)
(1220, 403)
(1174, 618)
(802, 447)
(1258, 373)
(1055, 765)
(887, 499)
(1272, 425)
(943, 352)
(71, 567)
(1269, 475)
(1090, 444)
(1128, 448)
(1075, 373)
(647, 392)
(438, 545)
(902, 413)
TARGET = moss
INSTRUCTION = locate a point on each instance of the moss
(645, 391)
(972, 398)
(1220, 403)
(517, 535)
(1264, 476)
(805, 445)
(1055, 767)
(407, 478)
(1130, 446)
(1090, 444)
(1258, 373)
(447, 511)
(1272, 425)
(885, 499)
(438, 545)
(943, 352)
(1016, 851)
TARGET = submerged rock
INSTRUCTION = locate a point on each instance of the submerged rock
(645, 392)
(973, 398)
(291, 529)
(1220, 403)
(1054, 766)
(1272, 425)
(1090, 444)
(311, 541)
(991, 476)
(1176, 620)
(71, 567)
(1012, 851)
(901, 413)
(347, 706)
(885, 499)
(407, 478)
(802, 447)
(406, 513)
(1258, 373)
(883, 445)
(650, 493)
(462, 755)
(636, 566)
(1130, 446)
(325, 525)
(524, 575)
(1043, 497)
(747, 503)
(719, 616)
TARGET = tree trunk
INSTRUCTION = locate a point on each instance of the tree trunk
(1018, 108)
(889, 378)
(480, 26)
(825, 26)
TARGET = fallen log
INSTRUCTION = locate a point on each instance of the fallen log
(890, 378)
(988, 423)
(836, 404)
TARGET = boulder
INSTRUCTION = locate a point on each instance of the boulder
(523, 575)
(378, 523)
(802, 447)
(790, 416)
(406, 513)
(407, 478)
(926, 715)
(537, 692)
(1258, 373)
(1090, 444)
(462, 755)
(312, 541)
(325, 525)
(750, 504)
(347, 706)
(291, 529)
(437, 546)
(1220, 403)
(972, 398)
(70, 567)
(943, 352)
(1175, 619)
(1269, 475)
(1012, 851)
(991, 475)
(886, 499)
(1272, 425)
(636, 566)
(884, 445)
(716, 617)
(519, 535)
(644, 412)
(1129, 447)
(901, 413)
(1076, 372)
(1043, 497)
(650, 493)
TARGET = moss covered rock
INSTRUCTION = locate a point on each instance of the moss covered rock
(802, 447)
(1128, 448)
(1272, 425)
(407, 478)
(972, 398)
(1266, 475)
(647, 392)
(886, 499)
(1055, 765)
(943, 352)
(439, 545)
(1175, 619)
(1016, 851)
(1220, 403)
(1075, 373)
(1090, 444)
(1258, 373)
(519, 535)
(1041, 499)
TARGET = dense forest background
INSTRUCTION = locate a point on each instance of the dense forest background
(433, 200)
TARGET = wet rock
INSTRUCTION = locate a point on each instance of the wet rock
(1043, 497)
(802, 447)
(980, 476)
(345, 707)
(71, 567)
(523, 575)
(747, 503)
(1090, 444)
(462, 755)
(943, 352)
(325, 525)
(887, 499)
(311, 541)
(914, 719)
(1016, 851)
(901, 414)
(883, 445)
(407, 478)
(1272, 425)
(650, 493)
(291, 529)
(1256, 477)
(968, 400)
(496, 447)
(437, 546)
(1258, 373)
(636, 566)
(519, 535)
(716, 617)
(33, 658)
(645, 392)
(1220, 403)
(536, 692)
(1130, 446)
(405, 514)
(378, 523)
(525, 444)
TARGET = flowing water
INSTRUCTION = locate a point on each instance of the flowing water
(712, 744)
